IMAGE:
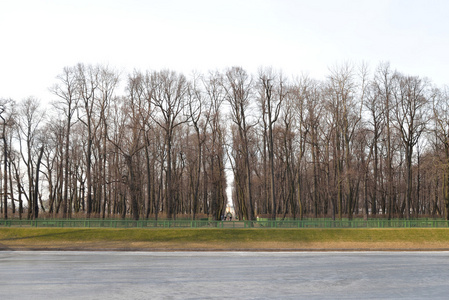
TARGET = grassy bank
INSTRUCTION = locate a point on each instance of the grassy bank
(224, 239)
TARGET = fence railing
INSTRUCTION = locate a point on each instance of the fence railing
(95, 223)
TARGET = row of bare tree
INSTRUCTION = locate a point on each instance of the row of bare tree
(356, 143)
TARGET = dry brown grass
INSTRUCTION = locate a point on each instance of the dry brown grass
(224, 239)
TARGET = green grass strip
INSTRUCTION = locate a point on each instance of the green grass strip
(415, 235)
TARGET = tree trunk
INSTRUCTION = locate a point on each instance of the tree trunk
(36, 184)
(89, 177)
(5, 175)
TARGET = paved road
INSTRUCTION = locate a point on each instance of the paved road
(214, 275)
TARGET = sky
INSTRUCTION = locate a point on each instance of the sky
(39, 38)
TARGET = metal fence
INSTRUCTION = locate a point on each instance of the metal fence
(321, 223)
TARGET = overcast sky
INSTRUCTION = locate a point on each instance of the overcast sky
(39, 38)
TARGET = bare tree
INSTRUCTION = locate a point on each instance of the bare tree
(30, 119)
(340, 147)
(342, 88)
(66, 90)
(107, 83)
(271, 96)
(87, 85)
(238, 89)
(309, 105)
(440, 107)
(169, 91)
(139, 92)
(7, 116)
(383, 83)
(95, 87)
(215, 144)
(129, 143)
(376, 121)
(196, 109)
(411, 96)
